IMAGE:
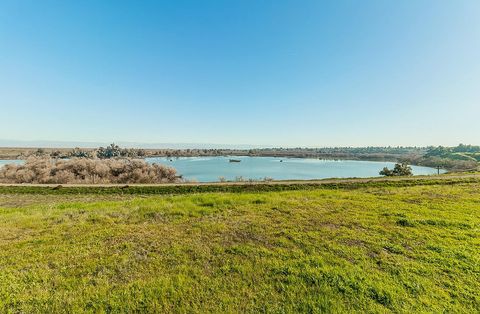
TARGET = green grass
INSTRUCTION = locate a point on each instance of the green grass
(160, 189)
(364, 248)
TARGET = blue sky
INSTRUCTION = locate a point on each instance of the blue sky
(281, 73)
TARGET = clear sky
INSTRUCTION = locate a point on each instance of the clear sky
(282, 73)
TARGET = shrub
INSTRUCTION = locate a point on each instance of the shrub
(77, 152)
(115, 151)
(111, 151)
(402, 169)
(84, 170)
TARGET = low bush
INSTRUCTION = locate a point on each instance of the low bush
(400, 169)
(85, 170)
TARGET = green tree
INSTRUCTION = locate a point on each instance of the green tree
(400, 169)
(111, 151)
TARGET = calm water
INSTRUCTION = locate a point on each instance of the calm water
(209, 169)
(4, 162)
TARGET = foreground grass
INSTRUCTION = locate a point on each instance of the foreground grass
(376, 248)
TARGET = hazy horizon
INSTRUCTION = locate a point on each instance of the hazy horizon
(265, 74)
(166, 145)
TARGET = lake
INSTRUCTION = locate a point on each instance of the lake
(209, 169)
(4, 162)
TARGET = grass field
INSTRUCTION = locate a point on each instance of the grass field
(364, 247)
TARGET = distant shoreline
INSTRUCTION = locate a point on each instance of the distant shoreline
(460, 158)
(22, 153)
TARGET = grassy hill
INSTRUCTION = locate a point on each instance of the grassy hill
(382, 247)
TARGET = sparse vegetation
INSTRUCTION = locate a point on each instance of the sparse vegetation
(86, 170)
(239, 179)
